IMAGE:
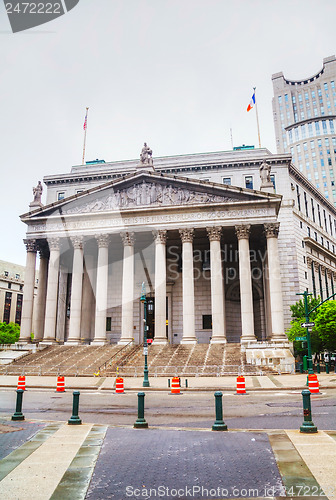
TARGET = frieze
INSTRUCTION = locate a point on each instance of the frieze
(145, 194)
(225, 214)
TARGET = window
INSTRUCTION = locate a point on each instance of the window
(322, 241)
(108, 323)
(9, 285)
(317, 128)
(227, 180)
(306, 203)
(249, 182)
(6, 274)
(61, 195)
(18, 309)
(308, 231)
(7, 307)
(315, 235)
(313, 209)
(17, 276)
(272, 176)
(298, 197)
(325, 220)
(207, 321)
(319, 214)
(324, 126)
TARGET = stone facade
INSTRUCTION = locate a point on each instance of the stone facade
(221, 263)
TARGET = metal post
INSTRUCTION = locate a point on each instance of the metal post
(144, 300)
(219, 424)
(327, 367)
(141, 422)
(75, 420)
(318, 368)
(307, 425)
(18, 415)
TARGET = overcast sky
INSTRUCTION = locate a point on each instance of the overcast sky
(175, 73)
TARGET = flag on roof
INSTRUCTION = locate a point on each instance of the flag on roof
(85, 121)
(252, 102)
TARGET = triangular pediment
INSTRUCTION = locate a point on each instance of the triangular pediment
(144, 190)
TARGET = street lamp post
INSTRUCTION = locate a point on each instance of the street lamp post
(145, 344)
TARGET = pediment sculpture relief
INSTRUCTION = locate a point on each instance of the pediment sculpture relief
(145, 194)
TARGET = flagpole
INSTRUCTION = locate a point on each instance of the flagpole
(85, 129)
(256, 106)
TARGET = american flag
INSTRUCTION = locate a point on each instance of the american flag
(85, 122)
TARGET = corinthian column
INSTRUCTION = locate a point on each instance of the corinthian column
(278, 328)
(245, 280)
(49, 334)
(76, 291)
(217, 290)
(101, 290)
(127, 289)
(160, 286)
(28, 292)
(189, 336)
(41, 294)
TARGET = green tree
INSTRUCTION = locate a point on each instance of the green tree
(325, 324)
(9, 333)
(298, 317)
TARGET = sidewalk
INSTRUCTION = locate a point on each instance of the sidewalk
(253, 383)
(97, 462)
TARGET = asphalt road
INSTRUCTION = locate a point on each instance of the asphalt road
(262, 410)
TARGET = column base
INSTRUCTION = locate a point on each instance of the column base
(218, 340)
(248, 339)
(125, 341)
(23, 341)
(99, 342)
(189, 340)
(160, 341)
(278, 339)
(72, 342)
(48, 342)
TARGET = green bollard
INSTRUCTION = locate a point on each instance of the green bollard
(169, 383)
(301, 367)
(75, 420)
(219, 424)
(318, 368)
(186, 382)
(305, 364)
(18, 415)
(307, 425)
(141, 422)
(327, 368)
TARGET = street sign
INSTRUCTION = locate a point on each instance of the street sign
(145, 351)
(308, 325)
(301, 338)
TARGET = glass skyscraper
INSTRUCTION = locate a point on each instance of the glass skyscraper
(304, 113)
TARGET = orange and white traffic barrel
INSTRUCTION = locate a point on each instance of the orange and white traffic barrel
(241, 385)
(119, 385)
(313, 384)
(22, 382)
(60, 384)
(175, 386)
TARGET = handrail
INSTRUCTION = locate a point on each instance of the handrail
(114, 355)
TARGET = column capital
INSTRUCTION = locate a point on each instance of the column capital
(323, 268)
(329, 273)
(243, 231)
(214, 233)
(160, 236)
(103, 240)
(30, 245)
(187, 235)
(271, 229)
(54, 243)
(77, 242)
(316, 266)
(309, 261)
(127, 238)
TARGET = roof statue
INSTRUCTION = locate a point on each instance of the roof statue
(146, 160)
(37, 193)
(265, 177)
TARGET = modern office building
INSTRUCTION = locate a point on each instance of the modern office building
(304, 113)
(223, 242)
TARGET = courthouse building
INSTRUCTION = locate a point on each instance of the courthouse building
(222, 241)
